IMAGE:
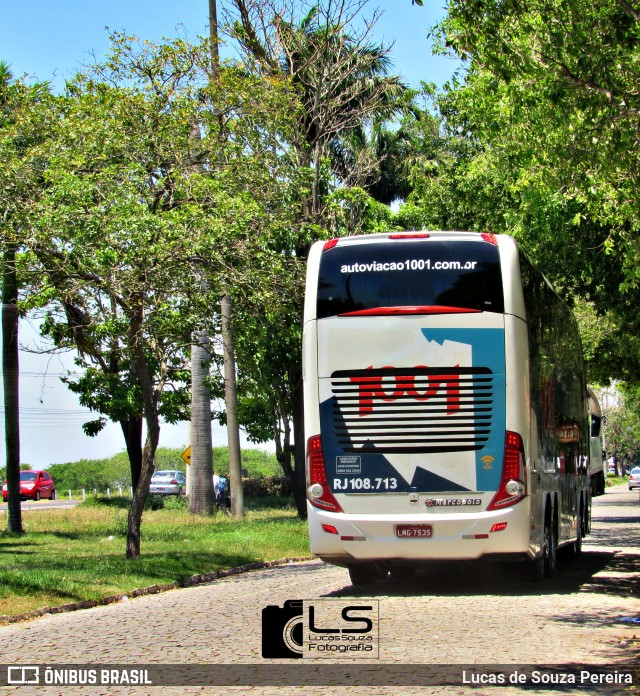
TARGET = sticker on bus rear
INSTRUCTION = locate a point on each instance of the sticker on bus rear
(429, 416)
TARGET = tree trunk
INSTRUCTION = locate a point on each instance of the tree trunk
(142, 491)
(10, 368)
(150, 403)
(231, 403)
(299, 444)
(132, 431)
(202, 498)
(213, 38)
(201, 493)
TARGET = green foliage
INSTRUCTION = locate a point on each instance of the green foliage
(551, 98)
(540, 132)
(258, 463)
(354, 211)
(113, 472)
(270, 487)
(91, 474)
(621, 408)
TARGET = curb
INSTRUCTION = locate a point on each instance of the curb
(191, 581)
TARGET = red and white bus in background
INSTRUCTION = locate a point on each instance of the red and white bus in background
(446, 406)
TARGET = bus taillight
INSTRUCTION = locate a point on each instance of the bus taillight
(318, 492)
(330, 244)
(491, 238)
(410, 235)
(513, 487)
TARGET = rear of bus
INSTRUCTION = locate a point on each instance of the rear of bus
(416, 381)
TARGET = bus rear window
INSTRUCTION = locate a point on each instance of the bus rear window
(356, 278)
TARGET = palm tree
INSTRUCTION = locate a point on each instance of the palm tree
(342, 82)
(340, 77)
(380, 158)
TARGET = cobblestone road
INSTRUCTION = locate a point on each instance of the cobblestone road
(461, 615)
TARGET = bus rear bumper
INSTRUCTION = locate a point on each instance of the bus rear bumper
(491, 535)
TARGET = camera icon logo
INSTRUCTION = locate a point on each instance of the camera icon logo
(282, 630)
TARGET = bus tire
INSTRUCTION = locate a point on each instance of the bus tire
(537, 567)
(575, 548)
(577, 545)
(544, 565)
(400, 573)
(363, 573)
(549, 547)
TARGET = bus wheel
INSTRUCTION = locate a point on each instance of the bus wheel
(545, 563)
(575, 549)
(363, 573)
(577, 546)
(400, 573)
(549, 550)
(537, 567)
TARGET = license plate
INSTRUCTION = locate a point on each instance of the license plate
(412, 531)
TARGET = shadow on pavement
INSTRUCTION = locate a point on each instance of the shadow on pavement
(465, 578)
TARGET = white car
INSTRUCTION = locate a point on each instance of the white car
(634, 478)
(168, 483)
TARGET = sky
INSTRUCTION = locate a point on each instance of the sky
(51, 41)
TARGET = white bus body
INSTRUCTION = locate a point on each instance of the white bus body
(445, 405)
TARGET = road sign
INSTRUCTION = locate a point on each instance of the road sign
(186, 455)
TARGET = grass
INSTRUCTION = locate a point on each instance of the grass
(79, 554)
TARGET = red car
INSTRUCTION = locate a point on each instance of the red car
(34, 484)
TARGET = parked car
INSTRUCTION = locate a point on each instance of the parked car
(634, 478)
(168, 483)
(35, 485)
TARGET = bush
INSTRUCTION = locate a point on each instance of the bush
(268, 486)
(114, 472)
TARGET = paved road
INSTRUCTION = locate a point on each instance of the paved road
(458, 615)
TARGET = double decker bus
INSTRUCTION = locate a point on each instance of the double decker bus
(446, 409)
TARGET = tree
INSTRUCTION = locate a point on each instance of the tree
(21, 177)
(391, 150)
(562, 76)
(341, 77)
(621, 430)
(341, 80)
(127, 217)
(10, 372)
(541, 139)
(10, 358)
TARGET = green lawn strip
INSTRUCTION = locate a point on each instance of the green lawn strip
(74, 555)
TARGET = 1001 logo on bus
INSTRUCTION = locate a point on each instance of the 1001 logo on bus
(393, 387)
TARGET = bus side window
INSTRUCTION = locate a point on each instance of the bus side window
(595, 426)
